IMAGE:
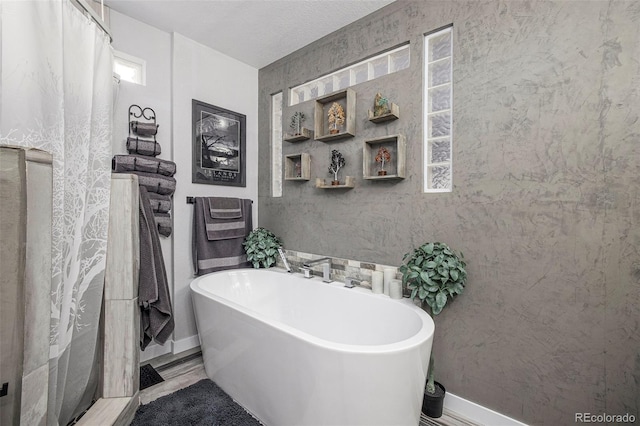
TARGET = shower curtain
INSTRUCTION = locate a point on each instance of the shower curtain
(56, 95)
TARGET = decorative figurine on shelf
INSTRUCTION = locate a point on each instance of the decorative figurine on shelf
(380, 105)
(296, 123)
(383, 157)
(337, 162)
(336, 118)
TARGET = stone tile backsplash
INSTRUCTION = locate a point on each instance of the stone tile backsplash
(340, 268)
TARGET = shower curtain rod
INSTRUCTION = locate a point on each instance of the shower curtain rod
(92, 13)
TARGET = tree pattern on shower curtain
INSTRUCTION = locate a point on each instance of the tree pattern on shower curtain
(57, 96)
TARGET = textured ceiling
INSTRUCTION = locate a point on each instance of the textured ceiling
(256, 32)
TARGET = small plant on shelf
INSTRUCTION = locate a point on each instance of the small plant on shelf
(336, 117)
(261, 246)
(296, 123)
(380, 105)
(383, 157)
(337, 162)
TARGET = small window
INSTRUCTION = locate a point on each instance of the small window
(276, 145)
(129, 68)
(369, 69)
(438, 100)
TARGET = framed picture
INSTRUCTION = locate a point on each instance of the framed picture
(218, 146)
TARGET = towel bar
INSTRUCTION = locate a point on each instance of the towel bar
(192, 200)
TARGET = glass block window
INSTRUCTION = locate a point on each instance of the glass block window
(369, 69)
(276, 145)
(438, 98)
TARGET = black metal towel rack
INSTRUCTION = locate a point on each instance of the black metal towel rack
(192, 200)
(136, 111)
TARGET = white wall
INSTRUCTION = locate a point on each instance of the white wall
(211, 77)
(153, 46)
(179, 70)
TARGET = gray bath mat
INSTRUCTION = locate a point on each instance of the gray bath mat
(202, 403)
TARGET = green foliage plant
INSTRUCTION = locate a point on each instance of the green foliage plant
(261, 246)
(434, 273)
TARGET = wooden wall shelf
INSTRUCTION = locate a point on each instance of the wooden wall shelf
(396, 145)
(350, 182)
(306, 134)
(394, 114)
(297, 167)
(346, 98)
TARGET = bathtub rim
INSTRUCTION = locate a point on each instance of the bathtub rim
(423, 335)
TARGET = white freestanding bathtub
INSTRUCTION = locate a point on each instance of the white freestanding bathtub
(296, 351)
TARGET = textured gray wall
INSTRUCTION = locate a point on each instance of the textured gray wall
(546, 199)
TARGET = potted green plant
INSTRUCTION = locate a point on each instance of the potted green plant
(434, 273)
(261, 246)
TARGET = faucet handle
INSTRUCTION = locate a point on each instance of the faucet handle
(350, 282)
(306, 271)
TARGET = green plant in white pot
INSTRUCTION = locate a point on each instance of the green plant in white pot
(434, 273)
(261, 246)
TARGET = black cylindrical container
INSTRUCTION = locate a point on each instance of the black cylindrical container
(433, 404)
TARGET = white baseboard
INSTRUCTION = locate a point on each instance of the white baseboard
(171, 347)
(185, 344)
(153, 351)
(477, 413)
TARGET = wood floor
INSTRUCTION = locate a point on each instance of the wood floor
(186, 368)
(178, 372)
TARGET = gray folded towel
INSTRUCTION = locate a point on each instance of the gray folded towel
(144, 129)
(143, 147)
(163, 221)
(222, 229)
(218, 255)
(159, 203)
(164, 185)
(225, 208)
(142, 163)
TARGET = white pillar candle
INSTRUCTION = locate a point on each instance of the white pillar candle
(389, 274)
(377, 279)
(395, 290)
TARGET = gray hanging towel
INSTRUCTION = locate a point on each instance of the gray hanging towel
(227, 228)
(143, 147)
(225, 208)
(156, 312)
(210, 256)
(142, 163)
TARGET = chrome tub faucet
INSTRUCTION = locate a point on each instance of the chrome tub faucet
(326, 268)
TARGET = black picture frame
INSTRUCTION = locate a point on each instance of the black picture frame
(218, 145)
